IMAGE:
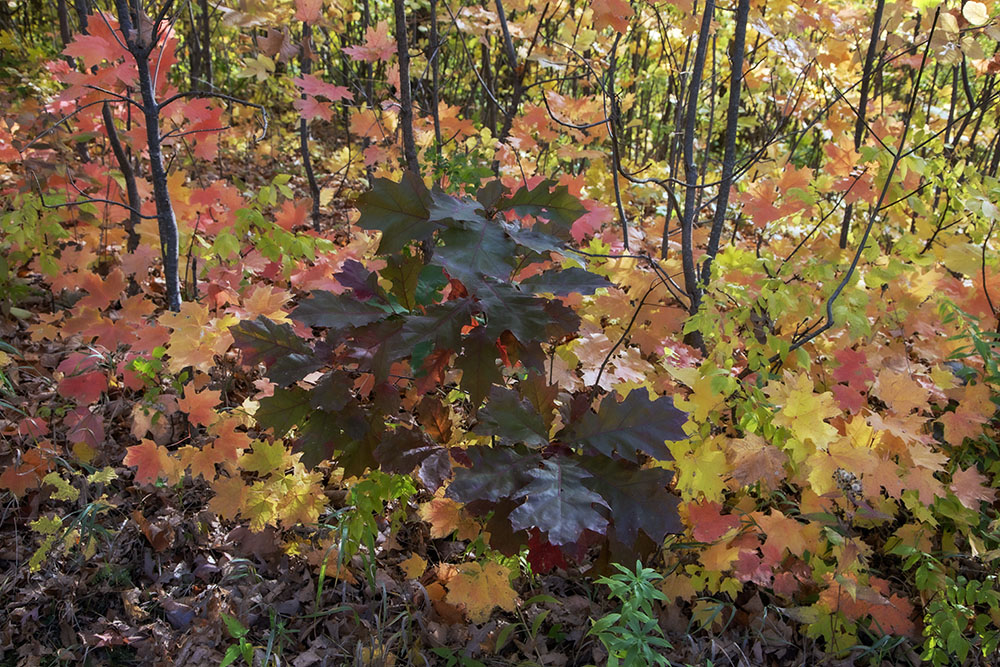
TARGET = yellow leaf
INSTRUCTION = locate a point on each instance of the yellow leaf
(266, 458)
(413, 566)
(480, 588)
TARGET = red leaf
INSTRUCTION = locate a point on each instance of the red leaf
(708, 524)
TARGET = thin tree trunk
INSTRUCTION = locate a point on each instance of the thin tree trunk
(405, 98)
(167, 223)
(690, 166)
(125, 165)
(859, 126)
(736, 56)
(305, 56)
(433, 47)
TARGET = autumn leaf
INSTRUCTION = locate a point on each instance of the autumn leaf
(200, 406)
(480, 588)
(151, 462)
(971, 487)
(708, 523)
(614, 13)
(378, 45)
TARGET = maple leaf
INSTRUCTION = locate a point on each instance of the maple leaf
(405, 449)
(637, 498)
(399, 210)
(93, 50)
(312, 108)
(549, 202)
(102, 291)
(151, 461)
(413, 567)
(308, 11)
(200, 406)
(481, 588)
(753, 459)
(614, 13)
(511, 419)
(266, 458)
(853, 370)
(230, 497)
(708, 523)
(284, 409)
(900, 392)
(803, 411)
(971, 487)
(313, 86)
(445, 517)
(288, 358)
(378, 45)
(562, 282)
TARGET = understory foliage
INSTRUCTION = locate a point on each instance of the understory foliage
(454, 333)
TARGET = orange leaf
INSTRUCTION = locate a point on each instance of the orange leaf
(200, 407)
(151, 462)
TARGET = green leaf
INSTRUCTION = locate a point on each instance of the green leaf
(440, 324)
(508, 309)
(288, 358)
(446, 207)
(336, 311)
(403, 273)
(405, 449)
(399, 210)
(557, 503)
(634, 425)
(283, 410)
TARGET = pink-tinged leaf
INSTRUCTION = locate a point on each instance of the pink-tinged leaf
(854, 370)
(313, 86)
(93, 50)
(312, 108)
(591, 222)
(84, 388)
(85, 426)
(378, 45)
(308, 11)
(33, 427)
(970, 486)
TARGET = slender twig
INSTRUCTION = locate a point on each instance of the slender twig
(875, 211)
(621, 339)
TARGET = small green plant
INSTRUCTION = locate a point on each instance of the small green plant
(959, 617)
(632, 636)
(242, 648)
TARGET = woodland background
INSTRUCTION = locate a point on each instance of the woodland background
(432, 332)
